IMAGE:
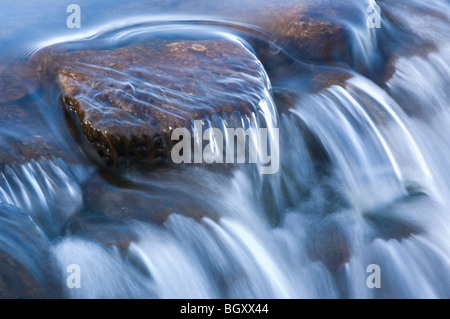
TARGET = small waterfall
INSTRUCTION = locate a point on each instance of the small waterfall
(48, 190)
(28, 266)
(363, 174)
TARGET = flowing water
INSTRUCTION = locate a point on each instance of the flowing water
(364, 173)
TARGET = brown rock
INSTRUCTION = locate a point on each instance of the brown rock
(296, 26)
(128, 100)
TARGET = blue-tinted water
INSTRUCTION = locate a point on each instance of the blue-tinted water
(363, 179)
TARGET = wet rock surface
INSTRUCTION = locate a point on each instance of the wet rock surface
(393, 221)
(331, 247)
(25, 133)
(23, 136)
(100, 228)
(129, 100)
(27, 270)
(121, 201)
(301, 28)
(304, 27)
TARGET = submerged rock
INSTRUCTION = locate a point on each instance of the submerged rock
(128, 100)
(300, 28)
(310, 29)
(16, 81)
(328, 243)
(395, 220)
(29, 130)
(102, 229)
(122, 200)
(27, 269)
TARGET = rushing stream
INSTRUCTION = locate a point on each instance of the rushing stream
(364, 165)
